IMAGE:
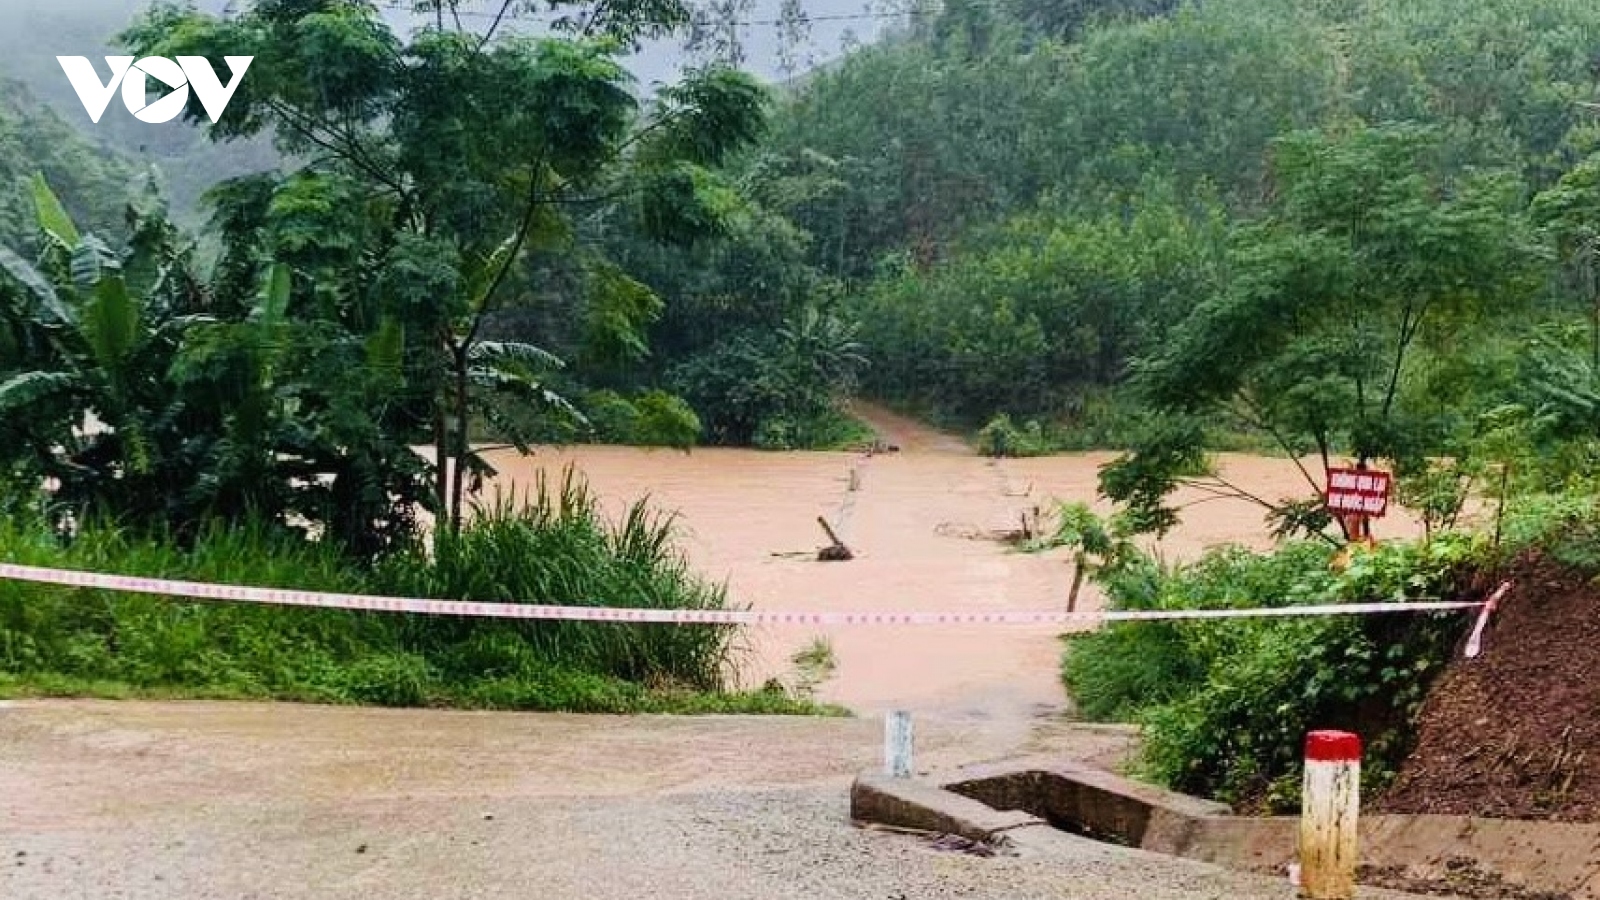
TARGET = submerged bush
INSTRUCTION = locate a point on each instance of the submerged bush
(1002, 438)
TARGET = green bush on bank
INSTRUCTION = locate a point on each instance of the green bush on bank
(660, 419)
(554, 547)
(1562, 525)
(653, 419)
(828, 429)
(1002, 438)
(1226, 704)
(1097, 419)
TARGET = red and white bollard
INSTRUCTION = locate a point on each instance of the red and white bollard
(1329, 807)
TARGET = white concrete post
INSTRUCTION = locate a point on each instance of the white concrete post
(897, 744)
(1329, 807)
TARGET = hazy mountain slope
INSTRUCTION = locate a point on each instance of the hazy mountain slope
(93, 180)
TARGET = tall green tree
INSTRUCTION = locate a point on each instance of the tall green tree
(1375, 256)
(1569, 211)
(434, 162)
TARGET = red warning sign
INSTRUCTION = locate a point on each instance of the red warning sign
(1358, 491)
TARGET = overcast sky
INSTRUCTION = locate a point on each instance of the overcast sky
(36, 31)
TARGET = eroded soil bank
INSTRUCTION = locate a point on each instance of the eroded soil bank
(1515, 733)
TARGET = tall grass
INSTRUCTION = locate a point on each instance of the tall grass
(553, 546)
(146, 641)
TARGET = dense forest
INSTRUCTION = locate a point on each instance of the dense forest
(1032, 210)
(1272, 220)
(1017, 209)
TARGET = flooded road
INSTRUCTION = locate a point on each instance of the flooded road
(194, 801)
(917, 524)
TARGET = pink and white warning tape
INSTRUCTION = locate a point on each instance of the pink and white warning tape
(283, 597)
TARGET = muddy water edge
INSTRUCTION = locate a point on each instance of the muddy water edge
(921, 522)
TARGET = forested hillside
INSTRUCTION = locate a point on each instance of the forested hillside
(94, 181)
(1005, 206)
(185, 163)
(1025, 202)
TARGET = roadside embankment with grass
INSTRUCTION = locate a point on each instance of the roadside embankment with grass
(551, 545)
(1224, 705)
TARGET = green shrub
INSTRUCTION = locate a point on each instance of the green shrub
(399, 679)
(1226, 704)
(654, 419)
(1564, 526)
(1086, 417)
(554, 546)
(1095, 418)
(665, 420)
(828, 429)
(1118, 672)
(1002, 438)
(615, 419)
(776, 389)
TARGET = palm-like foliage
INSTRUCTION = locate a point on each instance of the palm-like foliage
(137, 391)
(827, 344)
(82, 399)
(507, 383)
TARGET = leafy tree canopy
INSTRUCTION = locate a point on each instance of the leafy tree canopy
(435, 164)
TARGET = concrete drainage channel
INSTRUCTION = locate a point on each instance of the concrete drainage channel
(1023, 806)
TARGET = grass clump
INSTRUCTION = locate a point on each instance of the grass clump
(553, 546)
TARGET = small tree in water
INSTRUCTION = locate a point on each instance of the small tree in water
(1374, 252)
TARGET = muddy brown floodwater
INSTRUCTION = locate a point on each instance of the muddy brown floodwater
(917, 523)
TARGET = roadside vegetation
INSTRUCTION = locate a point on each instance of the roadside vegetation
(551, 546)
(1335, 232)
(1225, 705)
(1343, 230)
(244, 408)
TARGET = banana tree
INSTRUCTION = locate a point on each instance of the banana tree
(89, 333)
(484, 380)
(122, 391)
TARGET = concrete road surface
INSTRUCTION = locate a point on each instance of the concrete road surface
(199, 801)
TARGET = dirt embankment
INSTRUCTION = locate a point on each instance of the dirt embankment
(1515, 733)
